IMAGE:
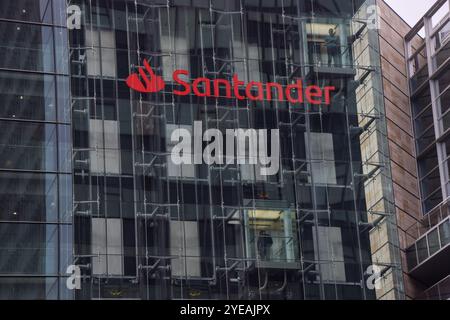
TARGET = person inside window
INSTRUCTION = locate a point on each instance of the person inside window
(332, 45)
(264, 243)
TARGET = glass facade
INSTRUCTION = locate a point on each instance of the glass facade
(430, 91)
(153, 229)
(428, 64)
(84, 151)
(35, 166)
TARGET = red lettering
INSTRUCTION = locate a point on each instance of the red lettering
(328, 91)
(226, 83)
(249, 93)
(314, 92)
(207, 85)
(176, 78)
(298, 89)
(254, 91)
(236, 84)
(279, 88)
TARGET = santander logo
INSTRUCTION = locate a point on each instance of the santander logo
(152, 85)
(146, 81)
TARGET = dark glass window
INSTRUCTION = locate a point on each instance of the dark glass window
(444, 232)
(26, 47)
(27, 96)
(428, 162)
(31, 288)
(424, 120)
(425, 140)
(431, 202)
(433, 241)
(27, 10)
(28, 197)
(431, 183)
(28, 248)
(28, 146)
(421, 101)
(422, 249)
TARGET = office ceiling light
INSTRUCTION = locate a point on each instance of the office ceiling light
(264, 214)
(320, 29)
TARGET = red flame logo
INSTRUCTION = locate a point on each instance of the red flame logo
(154, 84)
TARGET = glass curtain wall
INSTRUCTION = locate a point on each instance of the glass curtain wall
(152, 229)
(35, 144)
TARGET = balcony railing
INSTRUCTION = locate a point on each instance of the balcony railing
(430, 220)
(429, 245)
(440, 291)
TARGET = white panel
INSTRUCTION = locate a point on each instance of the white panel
(91, 38)
(96, 161)
(111, 128)
(107, 39)
(98, 245)
(96, 134)
(112, 160)
(114, 246)
(110, 156)
(184, 242)
(93, 62)
(330, 252)
(104, 52)
(322, 149)
(106, 240)
(109, 63)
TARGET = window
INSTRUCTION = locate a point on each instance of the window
(418, 60)
(184, 243)
(107, 243)
(271, 235)
(433, 241)
(421, 100)
(428, 162)
(104, 137)
(437, 17)
(328, 249)
(432, 201)
(26, 47)
(425, 139)
(101, 60)
(430, 183)
(28, 249)
(422, 249)
(322, 164)
(32, 288)
(327, 43)
(27, 10)
(28, 197)
(424, 120)
(444, 232)
(27, 96)
(176, 37)
(28, 146)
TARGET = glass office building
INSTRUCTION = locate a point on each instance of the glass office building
(87, 169)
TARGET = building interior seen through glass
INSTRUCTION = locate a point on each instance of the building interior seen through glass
(145, 227)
